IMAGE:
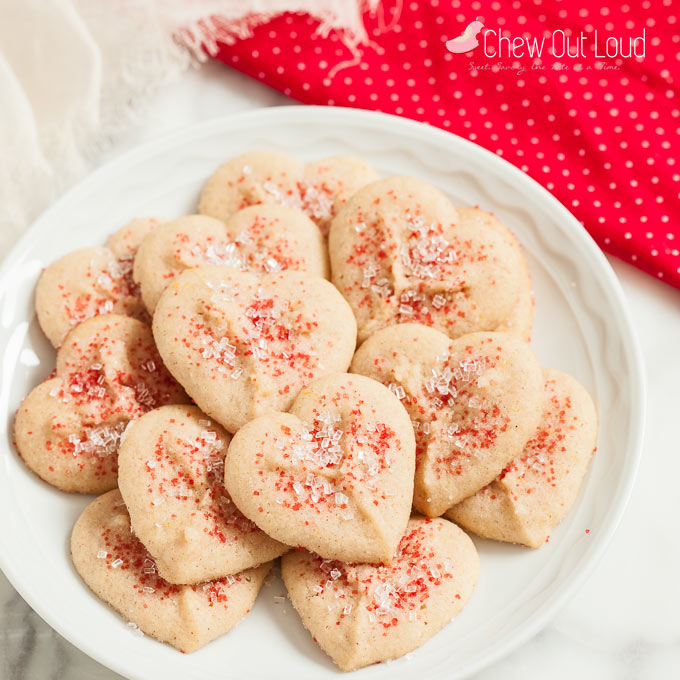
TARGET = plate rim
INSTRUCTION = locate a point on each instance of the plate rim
(631, 345)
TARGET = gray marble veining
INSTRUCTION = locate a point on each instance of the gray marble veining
(31, 650)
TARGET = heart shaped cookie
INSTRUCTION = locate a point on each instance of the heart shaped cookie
(171, 476)
(261, 238)
(118, 569)
(318, 189)
(474, 403)
(361, 614)
(68, 429)
(537, 489)
(335, 475)
(521, 317)
(400, 254)
(92, 281)
(243, 345)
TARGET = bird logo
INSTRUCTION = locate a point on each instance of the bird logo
(467, 40)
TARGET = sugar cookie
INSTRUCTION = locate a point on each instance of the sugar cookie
(69, 427)
(361, 614)
(318, 189)
(537, 489)
(334, 475)
(521, 317)
(261, 238)
(401, 254)
(171, 476)
(92, 281)
(117, 568)
(243, 345)
(474, 402)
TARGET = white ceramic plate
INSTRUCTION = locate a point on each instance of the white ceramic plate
(582, 327)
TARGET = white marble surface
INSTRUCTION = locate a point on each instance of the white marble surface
(622, 625)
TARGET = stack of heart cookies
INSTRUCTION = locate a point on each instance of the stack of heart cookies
(321, 366)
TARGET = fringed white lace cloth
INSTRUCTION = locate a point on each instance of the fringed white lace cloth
(74, 74)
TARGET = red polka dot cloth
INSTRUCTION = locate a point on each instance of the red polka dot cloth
(599, 129)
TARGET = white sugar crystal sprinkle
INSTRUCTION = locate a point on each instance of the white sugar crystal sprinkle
(316, 202)
(452, 429)
(116, 563)
(438, 301)
(102, 554)
(475, 401)
(271, 189)
(144, 396)
(271, 265)
(135, 629)
(398, 390)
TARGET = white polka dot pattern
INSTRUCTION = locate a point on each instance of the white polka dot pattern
(600, 134)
